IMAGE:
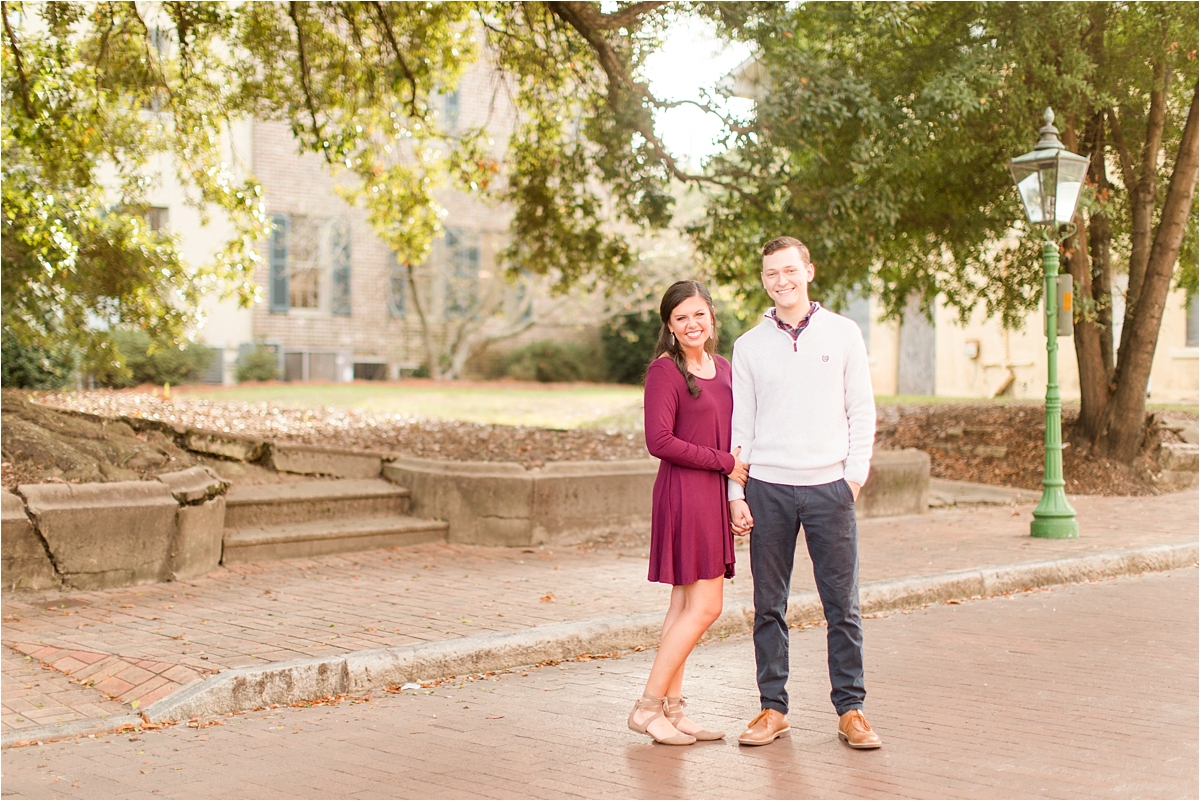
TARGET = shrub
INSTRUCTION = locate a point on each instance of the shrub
(550, 361)
(25, 367)
(259, 364)
(158, 362)
(628, 344)
(628, 341)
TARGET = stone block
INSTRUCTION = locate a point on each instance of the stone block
(228, 446)
(196, 544)
(1178, 457)
(575, 501)
(485, 503)
(313, 461)
(26, 563)
(502, 503)
(196, 484)
(1189, 432)
(898, 484)
(106, 535)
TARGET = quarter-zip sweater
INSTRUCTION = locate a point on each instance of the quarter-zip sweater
(803, 410)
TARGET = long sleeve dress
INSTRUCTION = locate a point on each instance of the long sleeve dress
(690, 536)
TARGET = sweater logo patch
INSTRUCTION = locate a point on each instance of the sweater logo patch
(825, 358)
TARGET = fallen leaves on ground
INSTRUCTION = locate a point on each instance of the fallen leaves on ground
(979, 441)
(1004, 443)
(400, 433)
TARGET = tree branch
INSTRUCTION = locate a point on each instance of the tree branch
(154, 63)
(624, 17)
(22, 80)
(1128, 177)
(408, 73)
(308, 98)
(578, 16)
(1143, 197)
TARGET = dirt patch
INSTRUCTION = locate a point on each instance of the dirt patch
(47, 445)
(990, 443)
(42, 445)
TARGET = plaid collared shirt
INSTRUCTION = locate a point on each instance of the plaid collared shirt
(799, 329)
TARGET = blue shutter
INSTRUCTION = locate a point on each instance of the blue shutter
(340, 304)
(279, 266)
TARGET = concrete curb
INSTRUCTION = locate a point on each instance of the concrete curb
(75, 728)
(361, 671)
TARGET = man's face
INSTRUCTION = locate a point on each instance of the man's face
(785, 276)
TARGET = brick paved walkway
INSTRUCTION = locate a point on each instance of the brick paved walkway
(1038, 695)
(33, 696)
(139, 644)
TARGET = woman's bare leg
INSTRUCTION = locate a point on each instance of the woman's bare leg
(694, 607)
(675, 690)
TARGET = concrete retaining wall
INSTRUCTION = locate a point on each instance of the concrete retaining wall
(898, 484)
(26, 561)
(502, 503)
(116, 534)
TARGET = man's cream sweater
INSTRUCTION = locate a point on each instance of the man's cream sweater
(803, 411)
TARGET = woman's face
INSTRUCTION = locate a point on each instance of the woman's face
(691, 322)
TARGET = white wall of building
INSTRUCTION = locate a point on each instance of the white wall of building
(979, 359)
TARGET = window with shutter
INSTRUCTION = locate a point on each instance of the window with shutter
(309, 252)
(280, 299)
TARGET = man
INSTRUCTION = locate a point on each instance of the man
(804, 415)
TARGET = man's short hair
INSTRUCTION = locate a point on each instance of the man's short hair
(785, 242)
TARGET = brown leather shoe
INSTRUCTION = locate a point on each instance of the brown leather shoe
(764, 728)
(854, 729)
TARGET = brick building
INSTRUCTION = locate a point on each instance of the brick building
(335, 303)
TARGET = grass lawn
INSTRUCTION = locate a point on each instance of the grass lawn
(602, 406)
(502, 402)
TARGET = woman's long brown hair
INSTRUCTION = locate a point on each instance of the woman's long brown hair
(677, 293)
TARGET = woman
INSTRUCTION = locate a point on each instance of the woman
(689, 404)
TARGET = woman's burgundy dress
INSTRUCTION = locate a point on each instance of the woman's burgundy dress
(690, 537)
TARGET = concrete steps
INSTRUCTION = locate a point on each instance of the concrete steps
(306, 501)
(319, 517)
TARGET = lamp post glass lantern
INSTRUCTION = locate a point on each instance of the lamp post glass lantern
(1049, 179)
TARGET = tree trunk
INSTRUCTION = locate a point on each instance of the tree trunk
(427, 335)
(1143, 316)
(1144, 194)
(1090, 331)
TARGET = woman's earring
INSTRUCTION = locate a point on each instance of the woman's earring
(673, 340)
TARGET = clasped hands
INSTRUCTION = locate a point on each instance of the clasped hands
(740, 519)
(739, 511)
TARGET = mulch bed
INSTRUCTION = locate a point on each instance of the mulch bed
(1004, 443)
(983, 442)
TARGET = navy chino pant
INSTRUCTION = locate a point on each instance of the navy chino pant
(826, 513)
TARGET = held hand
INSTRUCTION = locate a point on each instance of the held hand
(854, 488)
(739, 517)
(741, 470)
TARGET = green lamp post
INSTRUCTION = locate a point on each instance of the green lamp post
(1049, 179)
